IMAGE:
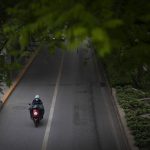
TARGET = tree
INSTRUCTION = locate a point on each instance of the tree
(114, 26)
(131, 56)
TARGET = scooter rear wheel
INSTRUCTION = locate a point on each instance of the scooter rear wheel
(36, 122)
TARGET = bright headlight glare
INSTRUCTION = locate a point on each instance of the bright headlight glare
(35, 113)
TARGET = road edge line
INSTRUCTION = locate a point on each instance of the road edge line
(121, 124)
(122, 121)
(18, 79)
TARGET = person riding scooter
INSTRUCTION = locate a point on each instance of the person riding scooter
(37, 102)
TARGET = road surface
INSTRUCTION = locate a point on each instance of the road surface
(79, 112)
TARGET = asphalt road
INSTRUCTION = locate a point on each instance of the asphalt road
(79, 112)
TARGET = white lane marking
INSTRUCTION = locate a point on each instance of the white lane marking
(48, 127)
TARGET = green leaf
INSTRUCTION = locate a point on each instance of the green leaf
(24, 38)
(113, 23)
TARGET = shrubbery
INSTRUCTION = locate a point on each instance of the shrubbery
(131, 101)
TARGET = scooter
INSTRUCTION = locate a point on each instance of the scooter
(36, 115)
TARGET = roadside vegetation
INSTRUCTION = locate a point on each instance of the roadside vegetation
(128, 68)
(136, 105)
(133, 94)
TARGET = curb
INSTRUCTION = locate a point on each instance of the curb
(17, 80)
(121, 113)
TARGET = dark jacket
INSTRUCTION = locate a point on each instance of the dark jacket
(37, 103)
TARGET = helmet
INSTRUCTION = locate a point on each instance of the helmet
(37, 96)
